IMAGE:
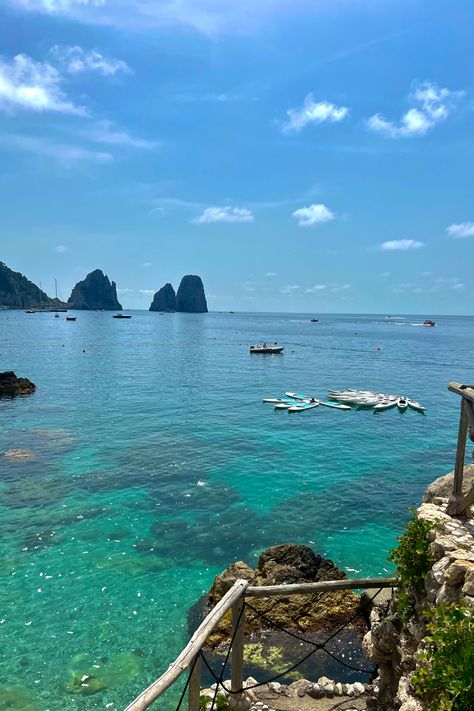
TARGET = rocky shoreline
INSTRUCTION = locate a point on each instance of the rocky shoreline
(12, 386)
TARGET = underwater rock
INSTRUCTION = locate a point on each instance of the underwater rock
(164, 300)
(22, 455)
(10, 385)
(88, 675)
(20, 698)
(190, 297)
(96, 291)
(86, 684)
(284, 564)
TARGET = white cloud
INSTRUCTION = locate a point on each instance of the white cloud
(313, 112)
(386, 274)
(400, 244)
(316, 288)
(290, 289)
(223, 214)
(341, 287)
(462, 229)
(313, 215)
(61, 248)
(431, 105)
(77, 60)
(125, 290)
(271, 274)
(63, 153)
(34, 86)
(107, 132)
(147, 264)
(146, 291)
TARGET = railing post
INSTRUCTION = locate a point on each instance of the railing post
(237, 652)
(194, 690)
(457, 495)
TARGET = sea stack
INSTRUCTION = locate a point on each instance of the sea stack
(164, 300)
(190, 297)
(96, 291)
(18, 292)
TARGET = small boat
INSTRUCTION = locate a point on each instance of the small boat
(71, 318)
(265, 348)
(416, 406)
(314, 320)
(121, 316)
(402, 404)
(283, 405)
(56, 315)
(303, 406)
(428, 322)
(335, 405)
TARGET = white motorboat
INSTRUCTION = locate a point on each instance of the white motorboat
(402, 404)
(266, 348)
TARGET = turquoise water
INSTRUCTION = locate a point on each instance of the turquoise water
(155, 464)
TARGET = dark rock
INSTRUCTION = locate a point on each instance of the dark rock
(17, 292)
(95, 292)
(280, 565)
(10, 385)
(191, 297)
(443, 485)
(164, 299)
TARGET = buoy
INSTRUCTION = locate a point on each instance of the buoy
(378, 348)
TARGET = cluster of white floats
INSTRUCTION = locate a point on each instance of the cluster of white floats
(345, 400)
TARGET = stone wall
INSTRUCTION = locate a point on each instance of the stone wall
(393, 645)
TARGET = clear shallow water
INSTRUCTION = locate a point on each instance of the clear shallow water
(156, 465)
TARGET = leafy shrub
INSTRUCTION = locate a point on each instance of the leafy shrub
(444, 677)
(412, 559)
(221, 703)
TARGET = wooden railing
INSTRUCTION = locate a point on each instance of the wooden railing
(234, 600)
(459, 502)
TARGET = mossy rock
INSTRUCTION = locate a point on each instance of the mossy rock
(89, 676)
(12, 698)
(84, 684)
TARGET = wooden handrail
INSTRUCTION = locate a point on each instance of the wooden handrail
(323, 586)
(466, 391)
(233, 599)
(187, 656)
(458, 503)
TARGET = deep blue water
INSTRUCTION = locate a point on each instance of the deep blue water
(155, 464)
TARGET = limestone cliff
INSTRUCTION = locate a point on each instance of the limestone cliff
(18, 292)
(191, 297)
(164, 299)
(96, 291)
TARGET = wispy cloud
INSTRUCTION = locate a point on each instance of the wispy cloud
(400, 245)
(340, 287)
(271, 274)
(313, 112)
(61, 248)
(431, 105)
(316, 288)
(61, 152)
(147, 264)
(77, 60)
(313, 215)
(290, 289)
(224, 214)
(33, 86)
(107, 132)
(461, 229)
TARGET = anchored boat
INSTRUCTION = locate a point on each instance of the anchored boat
(267, 348)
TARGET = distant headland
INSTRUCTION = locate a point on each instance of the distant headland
(97, 292)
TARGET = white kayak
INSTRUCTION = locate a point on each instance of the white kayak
(416, 406)
(335, 405)
(385, 405)
(303, 406)
(296, 396)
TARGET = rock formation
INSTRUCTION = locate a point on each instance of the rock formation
(10, 385)
(280, 565)
(95, 292)
(164, 299)
(190, 297)
(17, 292)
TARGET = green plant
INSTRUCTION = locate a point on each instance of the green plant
(221, 703)
(412, 559)
(444, 676)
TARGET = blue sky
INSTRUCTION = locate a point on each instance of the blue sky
(300, 155)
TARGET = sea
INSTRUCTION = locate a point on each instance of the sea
(152, 464)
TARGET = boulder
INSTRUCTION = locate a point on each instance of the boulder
(95, 292)
(190, 297)
(443, 486)
(164, 300)
(10, 385)
(284, 564)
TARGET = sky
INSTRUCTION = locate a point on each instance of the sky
(299, 155)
